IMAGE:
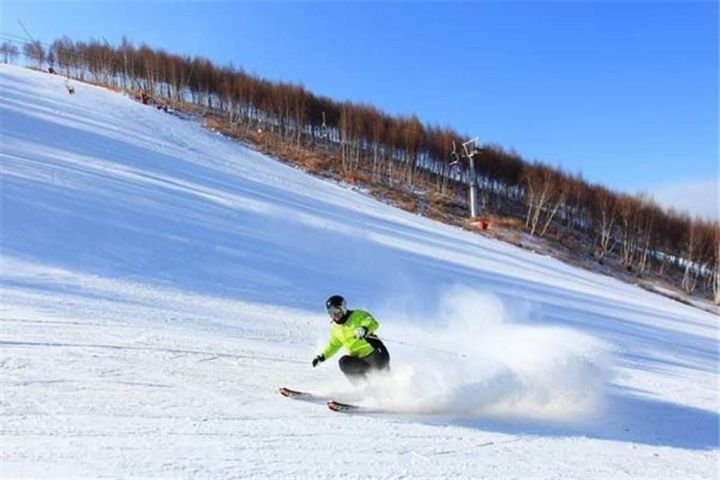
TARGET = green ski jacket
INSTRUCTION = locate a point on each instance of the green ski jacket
(343, 335)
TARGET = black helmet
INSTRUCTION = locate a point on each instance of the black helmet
(335, 306)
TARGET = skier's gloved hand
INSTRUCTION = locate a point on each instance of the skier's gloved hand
(360, 332)
(318, 359)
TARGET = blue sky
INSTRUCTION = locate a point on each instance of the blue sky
(624, 92)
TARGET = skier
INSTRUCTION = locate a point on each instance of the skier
(355, 330)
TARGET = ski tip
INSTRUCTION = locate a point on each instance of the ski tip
(340, 407)
(286, 392)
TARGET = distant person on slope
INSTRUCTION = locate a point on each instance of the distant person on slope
(354, 330)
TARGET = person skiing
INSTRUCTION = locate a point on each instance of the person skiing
(354, 330)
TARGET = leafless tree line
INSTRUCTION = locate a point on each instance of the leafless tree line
(403, 152)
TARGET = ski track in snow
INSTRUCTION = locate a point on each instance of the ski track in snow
(160, 282)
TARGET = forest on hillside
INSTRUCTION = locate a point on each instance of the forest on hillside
(401, 152)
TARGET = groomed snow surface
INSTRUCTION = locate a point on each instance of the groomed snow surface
(160, 282)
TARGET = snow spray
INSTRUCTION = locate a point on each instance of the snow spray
(505, 367)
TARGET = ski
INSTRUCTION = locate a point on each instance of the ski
(286, 392)
(341, 407)
(311, 397)
(300, 395)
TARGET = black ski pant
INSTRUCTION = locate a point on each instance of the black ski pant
(356, 369)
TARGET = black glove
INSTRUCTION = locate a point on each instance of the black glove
(318, 359)
(361, 332)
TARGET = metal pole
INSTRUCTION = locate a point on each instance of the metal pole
(469, 153)
(26, 30)
(473, 187)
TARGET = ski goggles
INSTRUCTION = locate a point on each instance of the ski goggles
(333, 311)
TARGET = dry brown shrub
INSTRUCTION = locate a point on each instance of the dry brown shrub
(214, 124)
(511, 223)
(515, 238)
(402, 200)
(314, 163)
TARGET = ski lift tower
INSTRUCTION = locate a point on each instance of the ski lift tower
(470, 149)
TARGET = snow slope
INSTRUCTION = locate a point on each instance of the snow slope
(160, 282)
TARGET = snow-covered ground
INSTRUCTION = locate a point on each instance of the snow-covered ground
(160, 282)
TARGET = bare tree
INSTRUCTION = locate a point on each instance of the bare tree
(715, 273)
(648, 215)
(604, 215)
(545, 193)
(9, 52)
(377, 133)
(347, 134)
(689, 280)
(63, 51)
(34, 51)
(560, 188)
(628, 217)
